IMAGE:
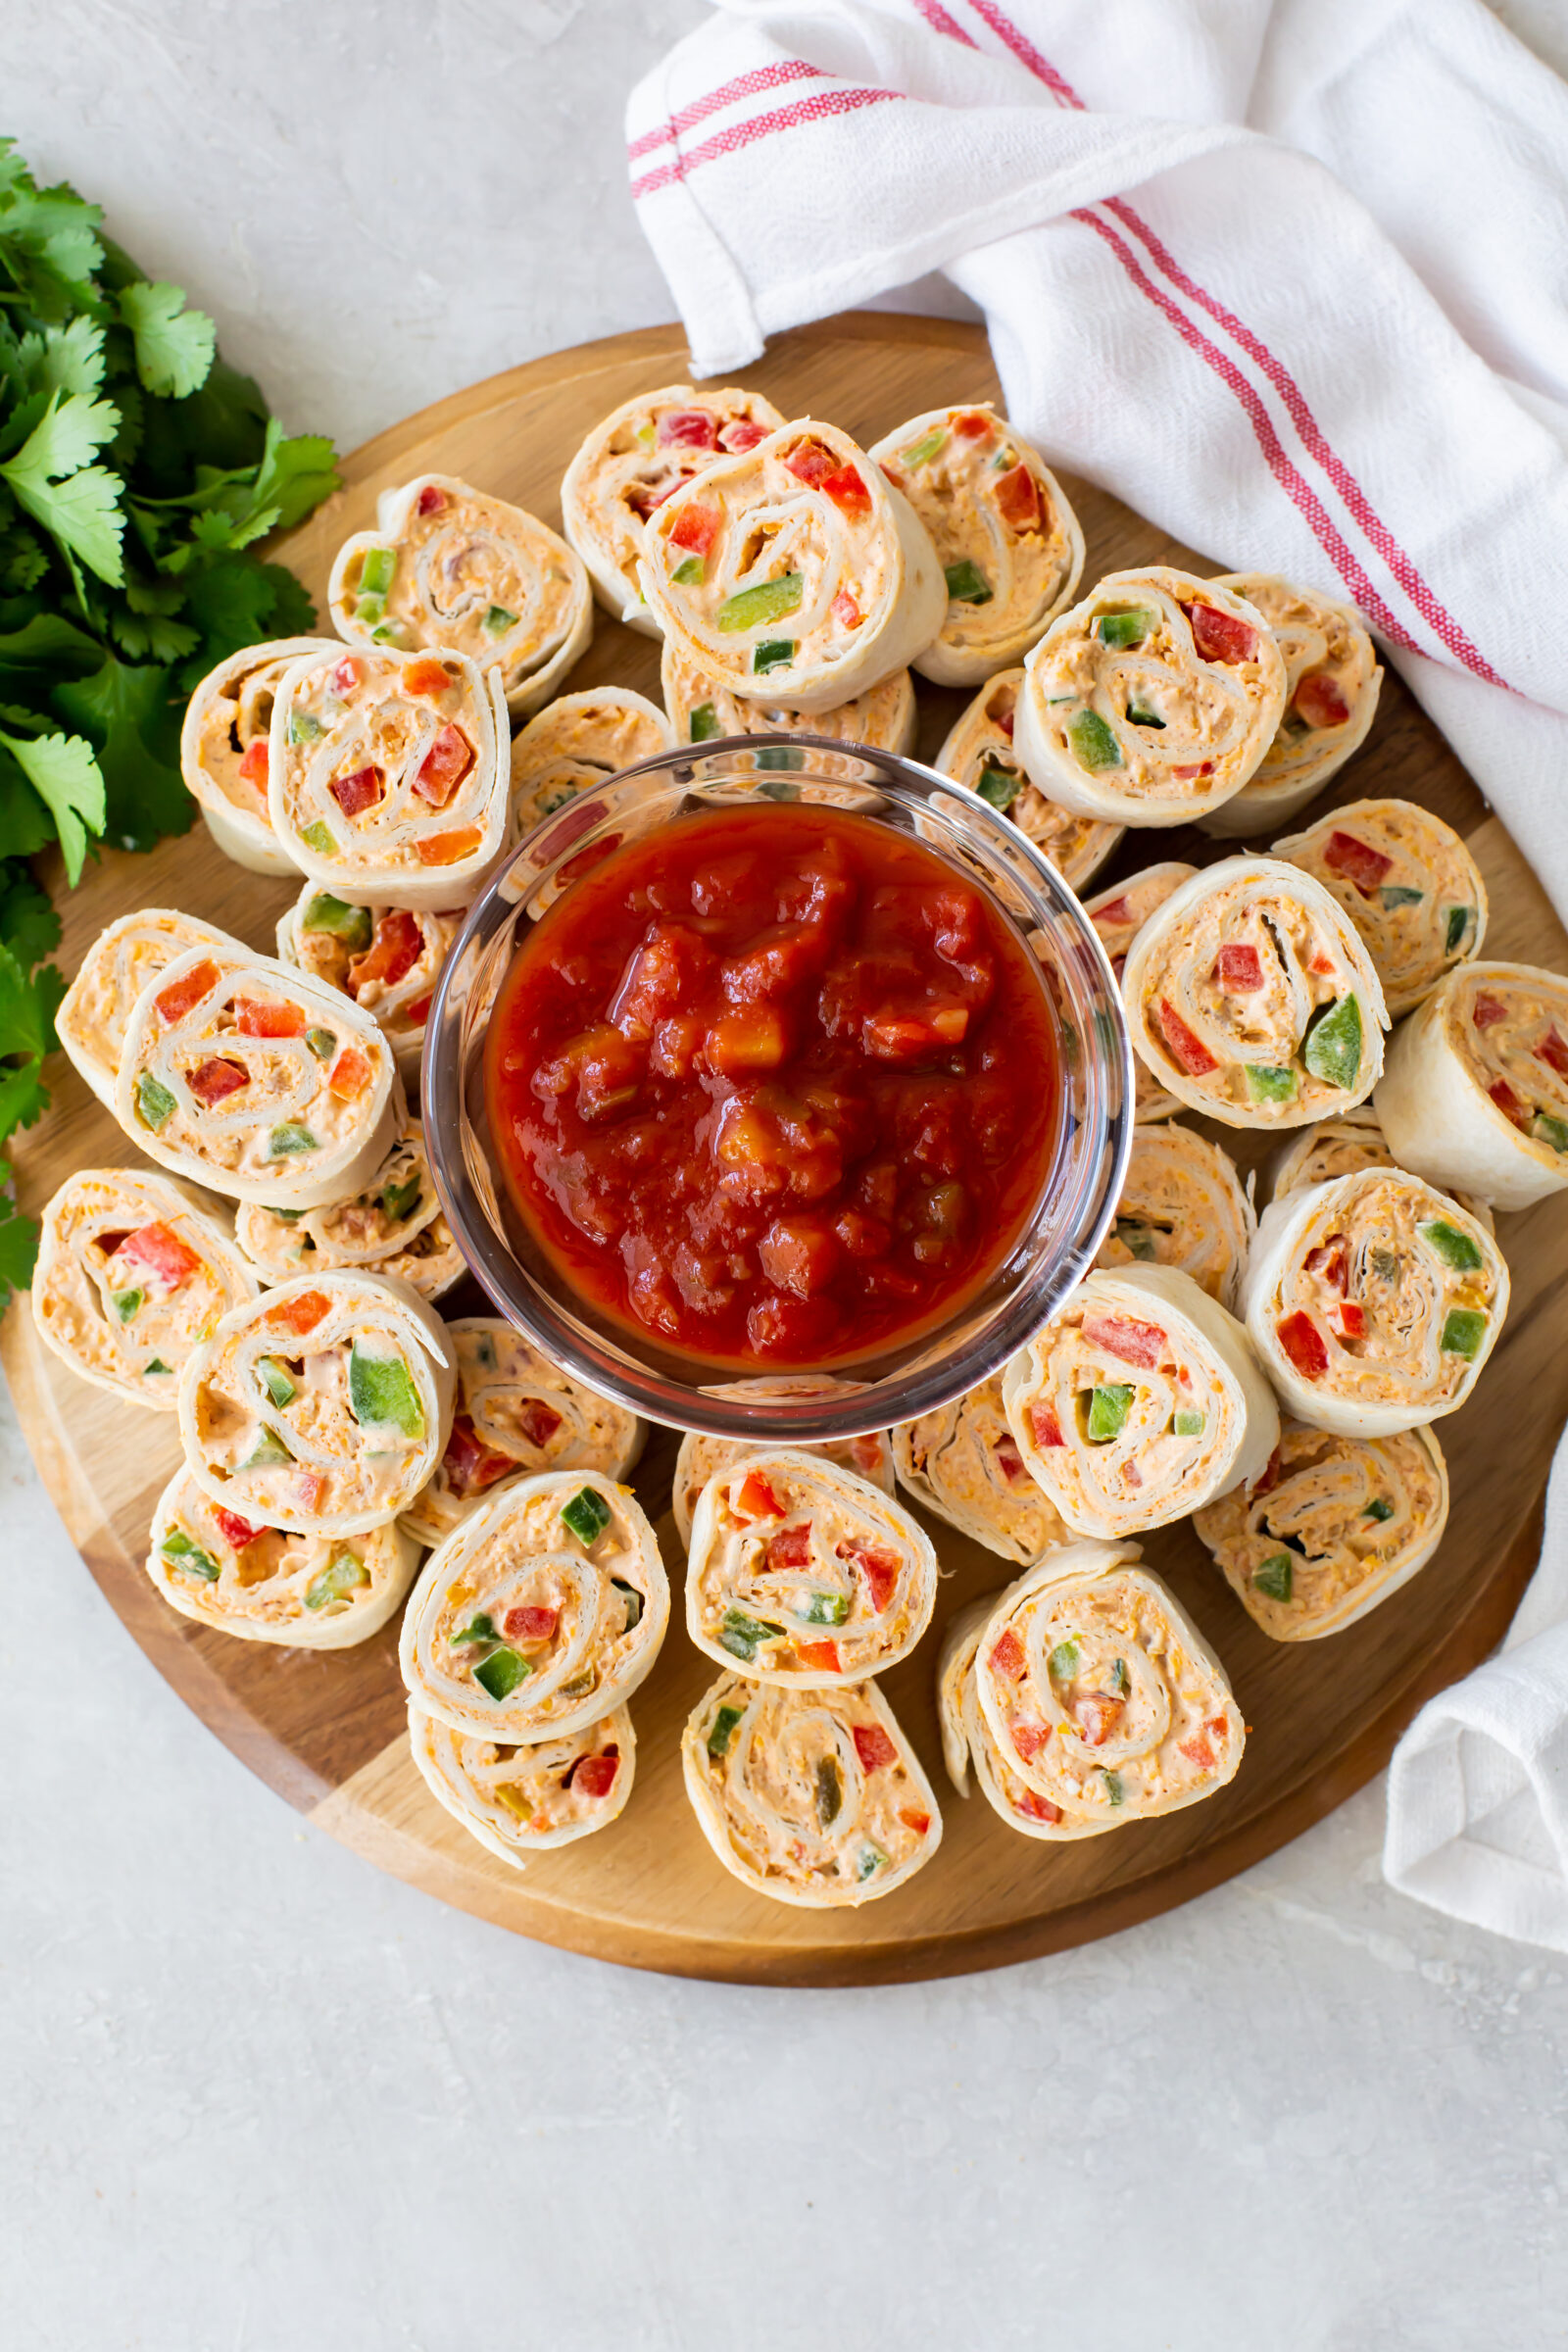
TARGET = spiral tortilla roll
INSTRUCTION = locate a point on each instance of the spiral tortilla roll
(1476, 1091)
(1010, 545)
(521, 1800)
(1139, 1401)
(243, 1075)
(1100, 1695)
(265, 1584)
(387, 775)
(1152, 700)
(1118, 915)
(1407, 883)
(804, 1573)
(963, 1462)
(966, 1736)
(131, 1275)
(1373, 1303)
(386, 959)
(223, 750)
(450, 568)
(1250, 996)
(396, 1226)
(540, 1614)
(1342, 1148)
(631, 463)
(124, 960)
(516, 1416)
(795, 572)
(581, 739)
(1332, 679)
(811, 1796)
(322, 1406)
(1334, 1526)
(1183, 1204)
(979, 752)
(701, 707)
(702, 1458)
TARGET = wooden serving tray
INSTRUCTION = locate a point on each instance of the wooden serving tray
(328, 1731)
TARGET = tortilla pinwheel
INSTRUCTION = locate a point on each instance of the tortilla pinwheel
(963, 1462)
(223, 750)
(1011, 546)
(702, 1458)
(581, 739)
(121, 962)
(1331, 1528)
(322, 1406)
(1373, 1302)
(979, 752)
(1331, 699)
(1476, 1091)
(267, 1584)
(1139, 1401)
(1407, 883)
(1342, 1148)
(396, 1226)
(1183, 1204)
(522, 1800)
(1118, 915)
(1152, 702)
(450, 569)
(540, 1614)
(811, 1796)
(701, 707)
(967, 1738)
(386, 959)
(1250, 996)
(795, 573)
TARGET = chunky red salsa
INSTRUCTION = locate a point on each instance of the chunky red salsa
(775, 1084)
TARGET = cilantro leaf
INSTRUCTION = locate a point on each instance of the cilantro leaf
(230, 599)
(24, 822)
(64, 358)
(82, 511)
(295, 474)
(49, 642)
(174, 347)
(18, 1247)
(29, 924)
(72, 431)
(293, 612)
(63, 772)
(23, 1096)
(27, 1022)
(124, 707)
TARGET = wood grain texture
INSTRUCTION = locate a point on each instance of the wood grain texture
(326, 1731)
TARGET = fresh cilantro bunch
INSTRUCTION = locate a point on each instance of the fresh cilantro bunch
(136, 473)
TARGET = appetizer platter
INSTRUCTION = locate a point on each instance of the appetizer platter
(1048, 1659)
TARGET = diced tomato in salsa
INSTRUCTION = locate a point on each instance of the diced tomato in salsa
(161, 1251)
(1358, 860)
(1187, 1048)
(268, 1016)
(874, 1746)
(1304, 1343)
(1220, 636)
(180, 996)
(1018, 499)
(213, 1081)
(1318, 699)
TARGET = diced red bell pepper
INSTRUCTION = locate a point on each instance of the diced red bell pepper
(1009, 1461)
(431, 500)
(1126, 1337)
(1186, 1048)
(874, 1746)
(161, 1251)
(309, 1486)
(1004, 719)
(359, 791)
(419, 1012)
(791, 1548)
(470, 1463)
(1097, 1714)
(529, 1622)
(1218, 1729)
(444, 767)
(1198, 1751)
(847, 487)
(742, 433)
(1219, 636)
(1553, 1052)
(349, 673)
(1318, 700)
(1118, 912)
(1488, 1012)
(1035, 1807)
(595, 1776)
(822, 1657)
(177, 998)
(427, 678)
(1321, 963)
(1131, 1473)
(1358, 860)
(1018, 499)
(1238, 969)
(695, 527)
(1271, 1475)
(866, 1455)
(919, 1822)
(1329, 1263)
(538, 1422)
(1029, 1739)
(213, 1081)
(1350, 1317)
(1045, 1428)
(1507, 1101)
(845, 612)
(1304, 1343)
(445, 849)
(395, 947)
(687, 428)
(268, 1016)
(757, 1498)
(973, 424)
(301, 1312)
(235, 1531)
(253, 767)
(879, 1568)
(349, 1075)
(811, 463)
(1008, 1654)
(1185, 775)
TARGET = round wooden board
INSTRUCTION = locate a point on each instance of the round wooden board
(327, 1731)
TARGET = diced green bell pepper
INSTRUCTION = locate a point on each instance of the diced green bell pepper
(382, 1393)
(1331, 1048)
(721, 1731)
(999, 786)
(1107, 1411)
(872, 1859)
(1128, 627)
(303, 728)
(772, 653)
(397, 1200)
(1397, 893)
(280, 1389)
(744, 1635)
(371, 610)
(921, 452)
(1275, 1576)
(1118, 1677)
(501, 1672)
(377, 571)
(289, 1140)
(338, 1580)
(1387, 1263)
(1139, 715)
(336, 917)
(497, 621)
(1379, 1510)
(1137, 1240)
(704, 723)
(128, 1304)
(690, 573)
(1461, 919)
(188, 1556)
(318, 837)
(769, 600)
(268, 1451)
(155, 1105)
(479, 1629)
(966, 583)
(1456, 1248)
(829, 1791)
(825, 1608)
(1545, 1129)
(1113, 1788)
(1191, 1424)
(587, 1514)
(633, 1600)
(321, 1043)
(157, 1365)
(1267, 1084)
(1062, 1663)
(1463, 1331)
(1093, 744)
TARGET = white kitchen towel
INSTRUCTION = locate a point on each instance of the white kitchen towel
(1290, 276)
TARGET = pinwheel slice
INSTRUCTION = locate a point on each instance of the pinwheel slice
(1183, 1204)
(1407, 883)
(516, 1416)
(521, 1800)
(1011, 547)
(1331, 1528)
(632, 461)
(388, 775)
(1139, 1401)
(132, 1274)
(704, 1457)
(581, 739)
(804, 1573)
(1101, 1693)
(979, 752)
(1373, 1302)
(966, 1736)
(963, 1462)
(1118, 915)
(124, 959)
(224, 748)
(1152, 700)
(1331, 699)
(450, 569)
(812, 1796)
(795, 572)
(386, 959)
(266, 1583)
(395, 1226)
(1476, 1091)
(321, 1406)
(540, 1614)
(1342, 1148)
(243, 1075)
(1250, 996)
(702, 708)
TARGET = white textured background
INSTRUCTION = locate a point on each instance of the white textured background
(254, 2097)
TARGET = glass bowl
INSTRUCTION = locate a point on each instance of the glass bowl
(1078, 1197)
